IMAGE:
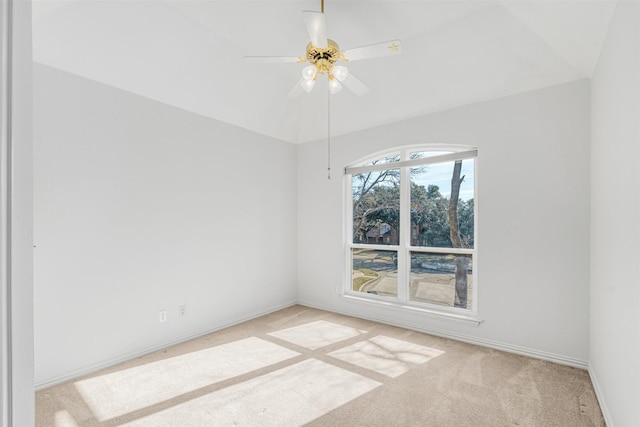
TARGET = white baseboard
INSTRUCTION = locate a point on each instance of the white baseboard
(603, 405)
(129, 356)
(523, 351)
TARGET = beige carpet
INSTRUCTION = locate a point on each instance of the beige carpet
(302, 366)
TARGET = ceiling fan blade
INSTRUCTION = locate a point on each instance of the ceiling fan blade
(355, 85)
(297, 90)
(317, 28)
(388, 48)
(270, 59)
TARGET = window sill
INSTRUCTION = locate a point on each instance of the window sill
(435, 314)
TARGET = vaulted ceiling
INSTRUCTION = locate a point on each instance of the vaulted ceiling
(189, 54)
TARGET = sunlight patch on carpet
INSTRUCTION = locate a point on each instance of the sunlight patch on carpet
(64, 419)
(118, 393)
(317, 334)
(291, 396)
(388, 356)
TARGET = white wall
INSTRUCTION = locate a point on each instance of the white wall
(533, 220)
(140, 207)
(615, 221)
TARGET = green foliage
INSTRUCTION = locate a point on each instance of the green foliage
(433, 192)
(377, 201)
(429, 217)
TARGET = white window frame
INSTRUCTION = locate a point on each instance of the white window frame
(404, 248)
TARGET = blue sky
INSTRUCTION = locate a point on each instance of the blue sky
(440, 174)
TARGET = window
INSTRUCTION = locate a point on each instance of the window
(411, 230)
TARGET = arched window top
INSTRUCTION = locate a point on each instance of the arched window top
(414, 155)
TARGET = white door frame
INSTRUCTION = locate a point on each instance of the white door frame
(5, 215)
(16, 216)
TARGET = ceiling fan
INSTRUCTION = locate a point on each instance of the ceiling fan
(322, 55)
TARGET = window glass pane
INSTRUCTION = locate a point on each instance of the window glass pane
(376, 207)
(374, 272)
(431, 207)
(443, 279)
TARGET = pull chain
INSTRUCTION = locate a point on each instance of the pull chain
(328, 118)
(328, 135)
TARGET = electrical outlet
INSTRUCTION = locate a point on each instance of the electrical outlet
(163, 316)
(182, 310)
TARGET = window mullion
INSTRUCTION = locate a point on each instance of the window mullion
(348, 234)
(405, 236)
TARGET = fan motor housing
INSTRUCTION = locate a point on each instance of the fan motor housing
(323, 58)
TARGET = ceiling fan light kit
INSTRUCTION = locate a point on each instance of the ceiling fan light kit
(323, 53)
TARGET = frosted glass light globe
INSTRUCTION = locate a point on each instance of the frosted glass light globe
(334, 86)
(340, 72)
(309, 72)
(307, 85)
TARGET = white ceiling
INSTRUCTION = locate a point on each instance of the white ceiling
(189, 54)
